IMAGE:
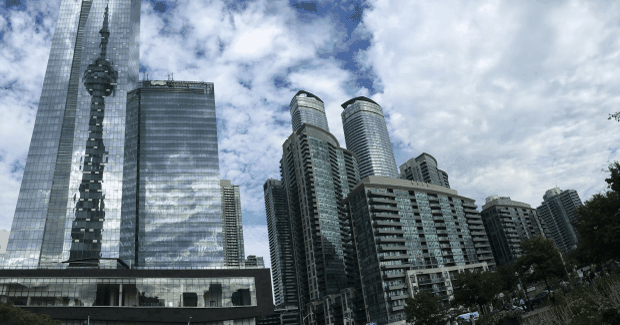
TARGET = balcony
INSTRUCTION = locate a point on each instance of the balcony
(391, 240)
(396, 257)
(382, 200)
(384, 208)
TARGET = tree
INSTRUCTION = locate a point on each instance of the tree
(615, 116)
(543, 257)
(477, 288)
(507, 277)
(11, 315)
(424, 308)
(599, 223)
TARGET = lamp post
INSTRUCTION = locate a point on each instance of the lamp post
(190, 319)
(304, 319)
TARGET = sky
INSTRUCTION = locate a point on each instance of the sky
(511, 97)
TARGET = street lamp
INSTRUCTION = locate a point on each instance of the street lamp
(190, 319)
(304, 319)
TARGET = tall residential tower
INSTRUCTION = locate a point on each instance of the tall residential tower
(424, 169)
(234, 249)
(559, 212)
(366, 135)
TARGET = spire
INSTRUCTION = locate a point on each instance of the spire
(105, 34)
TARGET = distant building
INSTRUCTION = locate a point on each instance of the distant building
(280, 244)
(307, 108)
(507, 224)
(424, 169)
(366, 135)
(232, 225)
(559, 212)
(401, 226)
(254, 260)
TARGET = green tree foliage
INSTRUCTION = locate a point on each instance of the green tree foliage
(11, 315)
(541, 255)
(477, 288)
(424, 309)
(507, 277)
(599, 223)
(615, 116)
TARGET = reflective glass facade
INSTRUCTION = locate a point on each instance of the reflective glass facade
(367, 136)
(172, 213)
(129, 292)
(69, 205)
(307, 108)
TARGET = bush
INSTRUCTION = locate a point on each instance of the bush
(10, 315)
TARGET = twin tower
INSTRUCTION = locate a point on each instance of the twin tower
(365, 130)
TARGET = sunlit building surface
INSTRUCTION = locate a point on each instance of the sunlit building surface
(401, 226)
(234, 249)
(366, 134)
(171, 214)
(69, 205)
(424, 169)
(559, 212)
(507, 224)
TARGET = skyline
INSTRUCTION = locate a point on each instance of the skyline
(544, 69)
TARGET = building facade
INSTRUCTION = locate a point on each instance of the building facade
(439, 281)
(424, 169)
(401, 226)
(559, 213)
(507, 224)
(317, 175)
(256, 261)
(280, 244)
(172, 215)
(307, 108)
(75, 161)
(366, 135)
(166, 297)
(234, 249)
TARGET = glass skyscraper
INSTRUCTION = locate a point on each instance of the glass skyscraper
(172, 214)
(69, 205)
(308, 108)
(367, 136)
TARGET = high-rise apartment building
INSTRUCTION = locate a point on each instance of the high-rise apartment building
(424, 169)
(69, 205)
(317, 175)
(307, 108)
(401, 226)
(366, 135)
(280, 244)
(507, 224)
(234, 250)
(559, 212)
(172, 214)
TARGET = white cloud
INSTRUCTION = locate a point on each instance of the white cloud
(499, 90)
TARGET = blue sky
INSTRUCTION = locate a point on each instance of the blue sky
(511, 97)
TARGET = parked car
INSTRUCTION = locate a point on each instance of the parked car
(539, 298)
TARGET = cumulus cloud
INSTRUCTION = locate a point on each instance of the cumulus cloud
(511, 98)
